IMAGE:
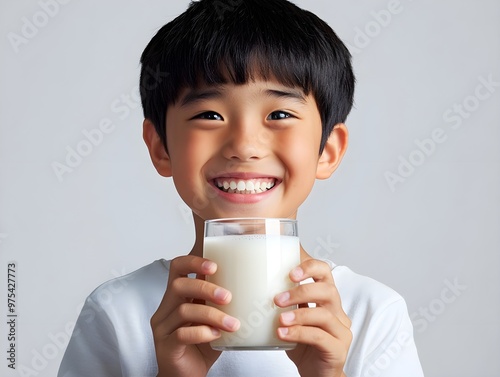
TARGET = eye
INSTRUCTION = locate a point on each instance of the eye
(277, 115)
(209, 115)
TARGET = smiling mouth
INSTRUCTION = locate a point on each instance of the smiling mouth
(245, 186)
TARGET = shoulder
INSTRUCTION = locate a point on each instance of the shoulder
(362, 294)
(150, 275)
(375, 309)
(143, 287)
(381, 326)
(113, 326)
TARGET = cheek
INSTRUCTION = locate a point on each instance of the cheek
(300, 159)
(300, 153)
(186, 166)
(187, 153)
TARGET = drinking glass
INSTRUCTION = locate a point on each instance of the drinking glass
(254, 257)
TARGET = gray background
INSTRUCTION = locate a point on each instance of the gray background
(436, 227)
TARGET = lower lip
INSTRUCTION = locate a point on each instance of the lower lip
(244, 198)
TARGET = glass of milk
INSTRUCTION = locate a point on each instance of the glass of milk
(254, 257)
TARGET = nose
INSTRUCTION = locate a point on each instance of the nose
(245, 142)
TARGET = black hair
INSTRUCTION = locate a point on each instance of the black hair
(222, 41)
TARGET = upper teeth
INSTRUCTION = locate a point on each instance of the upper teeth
(252, 186)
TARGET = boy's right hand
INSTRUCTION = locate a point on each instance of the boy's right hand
(183, 325)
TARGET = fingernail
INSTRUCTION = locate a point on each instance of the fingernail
(287, 317)
(297, 273)
(231, 323)
(283, 331)
(208, 265)
(221, 294)
(215, 331)
(283, 297)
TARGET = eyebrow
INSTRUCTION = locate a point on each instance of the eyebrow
(292, 94)
(198, 95)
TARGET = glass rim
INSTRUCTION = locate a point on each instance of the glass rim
(243, 219)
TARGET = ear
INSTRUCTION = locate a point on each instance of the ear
(159, 155)
(334, 150)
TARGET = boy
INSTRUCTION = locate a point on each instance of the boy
(245, 103)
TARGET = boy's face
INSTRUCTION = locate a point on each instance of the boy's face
(245, 150)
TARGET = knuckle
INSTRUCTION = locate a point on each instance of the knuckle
(160, 331)
(199, 288)
(349, 336)
(188, 335)
(199, 285)
(303, 316)
(349, 339)
(212, 314)
(348, 323)
(156, 321)
(304, 289)
(184, 310)
(316, 336)
(175, 284)
(179, 335)
(323, 267)
(175, 263)
(153, 322)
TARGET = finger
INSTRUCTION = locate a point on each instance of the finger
(196, 300)
(315, 337)
(192, 335)
(186, 314)
(317, 317)
(183, 289)
(312, 268)
(321, 293)
(182, 267)
(188, 264)
(200, 290)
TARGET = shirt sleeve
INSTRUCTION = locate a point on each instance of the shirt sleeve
(92, 350)
(394, 353)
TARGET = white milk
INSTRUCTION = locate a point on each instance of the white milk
(254, 268)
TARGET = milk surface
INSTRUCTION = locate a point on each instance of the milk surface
(254, 268)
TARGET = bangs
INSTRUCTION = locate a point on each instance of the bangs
(241, 67)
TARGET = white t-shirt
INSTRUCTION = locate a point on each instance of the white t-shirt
(113, 337)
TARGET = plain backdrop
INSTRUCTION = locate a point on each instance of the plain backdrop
(415, 203)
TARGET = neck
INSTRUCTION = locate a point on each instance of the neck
(199, 228)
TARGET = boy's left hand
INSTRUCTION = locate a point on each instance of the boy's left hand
(322, 333)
